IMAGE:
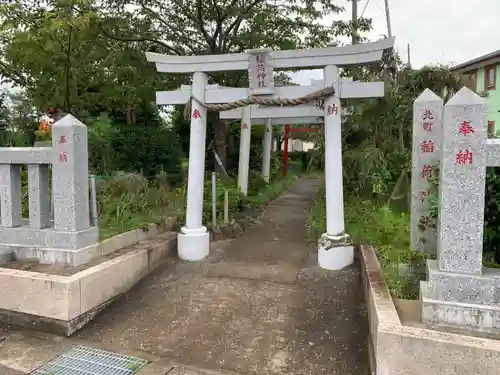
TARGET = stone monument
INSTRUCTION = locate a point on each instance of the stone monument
(427, 136)
(460, 292)
(68, 238)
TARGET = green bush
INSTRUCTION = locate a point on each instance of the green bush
(255, 182)
(147, 150)
(491, 242)
(127, 201)
(377, 225)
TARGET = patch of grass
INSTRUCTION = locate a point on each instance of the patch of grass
(388, 231)
(128, 201)
(272, 190)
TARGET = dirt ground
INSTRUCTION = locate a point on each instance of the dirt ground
(257, 305)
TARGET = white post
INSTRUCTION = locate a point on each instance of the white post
(226, 207)
(193, 239)
(244, 162)
(214, 200)
(266, 152)
(335, 250)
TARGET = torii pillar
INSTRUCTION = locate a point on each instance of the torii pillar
(193, 241)
(266, 150)
(335, 250)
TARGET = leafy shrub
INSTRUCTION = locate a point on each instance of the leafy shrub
(386, 230)
(127, 201)
(491, 241)
(148, 150)
(255, 182)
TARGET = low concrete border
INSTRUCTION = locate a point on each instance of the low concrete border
(64, 304)
(399, 349)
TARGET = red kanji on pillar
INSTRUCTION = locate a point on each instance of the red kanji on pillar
(63, 139)
(427, 220)
(427, 115)
(465, 128)
(196, 113)
(427, 146)
(63, 157)
(244, 125)
(426, 171)
(332, 110)
(427, 126)
(463, 157)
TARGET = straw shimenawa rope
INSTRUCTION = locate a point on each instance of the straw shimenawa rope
(263, 101)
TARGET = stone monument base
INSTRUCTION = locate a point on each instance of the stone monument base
(49, 246)
(461, 300)
(335, 252)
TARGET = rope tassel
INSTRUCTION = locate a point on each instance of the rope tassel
(317, 96)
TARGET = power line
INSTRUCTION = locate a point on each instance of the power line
(363, 12)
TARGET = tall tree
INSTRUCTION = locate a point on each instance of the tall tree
(194, 27)
(57, 52)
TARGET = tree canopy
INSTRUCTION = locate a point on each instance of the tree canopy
(87, 56)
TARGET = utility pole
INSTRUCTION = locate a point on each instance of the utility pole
(388, 18)
(409, 56)
(354, 21)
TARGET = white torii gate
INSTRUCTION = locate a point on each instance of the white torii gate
(267, 116)
(255, 115)
(335, 250)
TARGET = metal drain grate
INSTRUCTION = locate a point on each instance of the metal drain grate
(89, 361)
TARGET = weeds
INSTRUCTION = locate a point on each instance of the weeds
(377, 225)
(128, 201)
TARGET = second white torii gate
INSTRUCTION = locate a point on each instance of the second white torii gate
(255, 115)
(302, 114)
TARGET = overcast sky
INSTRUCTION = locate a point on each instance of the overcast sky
(438, 31)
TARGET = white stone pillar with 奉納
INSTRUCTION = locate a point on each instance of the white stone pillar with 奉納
(71, 240)
(335, 250)
(427, 136)
(460, 292)
(193, 239)
(266, 150)
(462, 187)
(260, 65)
(70, 175)
(244, 159)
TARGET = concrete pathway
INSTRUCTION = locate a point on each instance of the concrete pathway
(257, 305)
(8, 371)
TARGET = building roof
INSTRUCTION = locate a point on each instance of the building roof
(490, 58)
